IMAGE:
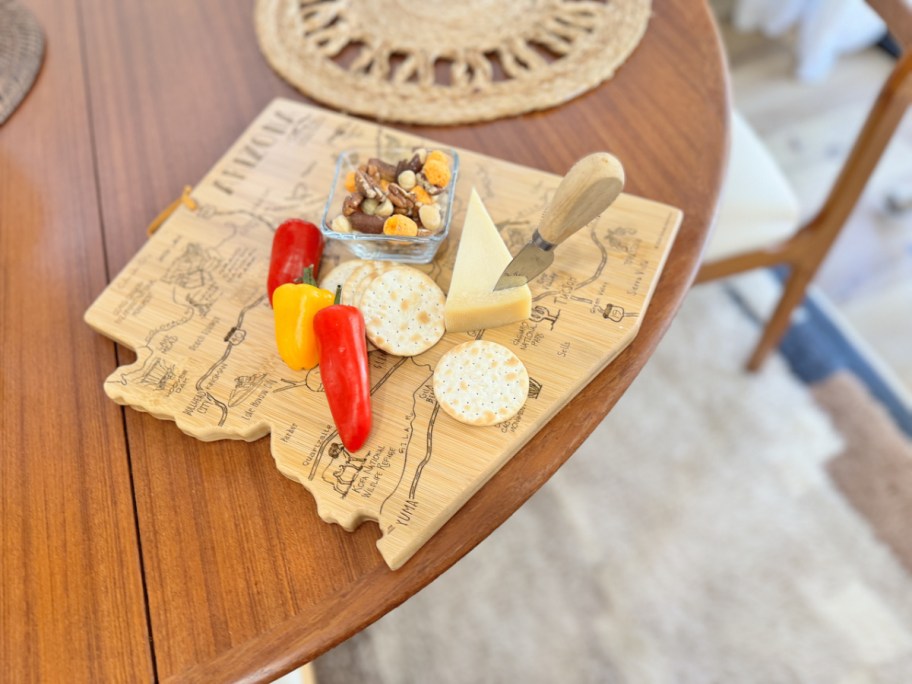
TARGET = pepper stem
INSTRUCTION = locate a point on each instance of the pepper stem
(338, 297)
(307, 277)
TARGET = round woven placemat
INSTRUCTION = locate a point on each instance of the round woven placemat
(445, 61)
(21, 50)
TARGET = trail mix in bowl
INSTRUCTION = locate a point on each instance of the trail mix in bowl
(396, 198)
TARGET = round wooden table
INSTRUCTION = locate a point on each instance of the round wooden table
(132, 552)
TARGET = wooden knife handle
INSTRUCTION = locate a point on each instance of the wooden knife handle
(591, 184)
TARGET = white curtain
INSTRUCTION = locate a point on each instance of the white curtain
(824, 29)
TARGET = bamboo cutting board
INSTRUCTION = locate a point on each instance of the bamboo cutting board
(192, 304)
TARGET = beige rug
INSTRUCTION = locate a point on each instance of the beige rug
(695, 537)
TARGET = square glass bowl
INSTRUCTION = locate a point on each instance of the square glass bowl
(414, 250)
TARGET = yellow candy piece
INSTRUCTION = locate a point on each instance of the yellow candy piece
(437, 172)
(437, 155)
(421, 195)
(350, 181)
(397, 224)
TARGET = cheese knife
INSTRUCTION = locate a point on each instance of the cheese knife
(589, 187)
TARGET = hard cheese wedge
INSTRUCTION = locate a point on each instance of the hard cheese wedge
(472, 303)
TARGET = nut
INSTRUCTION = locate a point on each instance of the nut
(400, 197)
(414, 165)
(341, 224)
(372, 172)
(352, 203)
(367, 186)
(430, 216)
(366, 224)
(384, 209)
(407, 180)
(369, 206)
(422, 154)
(381, 168)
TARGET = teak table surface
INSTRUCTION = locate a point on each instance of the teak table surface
(131, 552)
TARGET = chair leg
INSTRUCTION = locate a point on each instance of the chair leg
(792, 296)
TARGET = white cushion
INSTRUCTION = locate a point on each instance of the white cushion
(757, 206)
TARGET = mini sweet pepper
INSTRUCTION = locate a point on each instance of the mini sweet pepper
(345, 371)
(294, 306)
(296, 245)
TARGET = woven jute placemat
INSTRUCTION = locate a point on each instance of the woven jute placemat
(21, 51)
(446, 62)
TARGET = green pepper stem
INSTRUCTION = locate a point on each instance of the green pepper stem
(307, 277)
(338, 298)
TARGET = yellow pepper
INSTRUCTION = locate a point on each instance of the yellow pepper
(295, 305)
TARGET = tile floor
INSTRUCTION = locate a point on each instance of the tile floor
(809, 129)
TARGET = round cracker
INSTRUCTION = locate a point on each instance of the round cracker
(403, 311)
(365, 271)
(339, 274)
(481, 383)
(362, 286)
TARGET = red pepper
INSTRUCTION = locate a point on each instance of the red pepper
(344, 371)
(296, 245)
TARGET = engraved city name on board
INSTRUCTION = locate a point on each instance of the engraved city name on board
(192, 304)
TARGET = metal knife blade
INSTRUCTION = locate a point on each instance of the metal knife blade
(531, 260)
(589, 187)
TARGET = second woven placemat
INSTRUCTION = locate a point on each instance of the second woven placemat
(21, 52)
(445, 62)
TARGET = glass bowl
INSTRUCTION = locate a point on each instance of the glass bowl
(416, 250)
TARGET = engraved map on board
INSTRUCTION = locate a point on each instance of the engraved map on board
(192, 304)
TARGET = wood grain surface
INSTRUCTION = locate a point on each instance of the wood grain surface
(71, 590)
(242, 579)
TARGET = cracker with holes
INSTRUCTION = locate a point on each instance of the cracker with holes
(403, 311)
(366, 272)
(481, 383)
(340, 274)
(365, 283)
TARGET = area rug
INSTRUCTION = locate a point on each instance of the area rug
(867, 399)
(699, 535)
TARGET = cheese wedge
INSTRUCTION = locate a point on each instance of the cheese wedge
(471, 302)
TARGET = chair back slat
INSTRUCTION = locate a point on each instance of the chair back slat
(898, 16)
(884, 118)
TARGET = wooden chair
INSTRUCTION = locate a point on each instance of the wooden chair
(767, 239)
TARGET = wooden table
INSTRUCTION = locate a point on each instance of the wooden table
(130, 551)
